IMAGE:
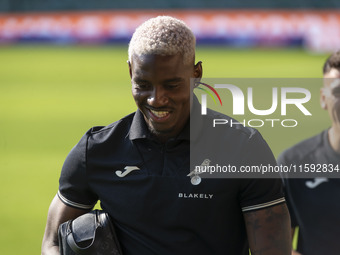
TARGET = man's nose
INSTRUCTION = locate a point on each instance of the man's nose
(158, 97)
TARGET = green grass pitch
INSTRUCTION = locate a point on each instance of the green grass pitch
(50, 96)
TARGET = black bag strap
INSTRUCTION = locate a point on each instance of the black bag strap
(86, 226)
(90, 233)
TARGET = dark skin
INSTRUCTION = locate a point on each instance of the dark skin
(161, 88)
(269, 230)
(57, 214)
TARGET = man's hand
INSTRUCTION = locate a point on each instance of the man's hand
(58, 213)
(269, 231)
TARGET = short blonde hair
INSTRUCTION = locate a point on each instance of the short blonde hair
(165, 36)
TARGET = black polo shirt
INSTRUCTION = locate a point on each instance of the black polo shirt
(314, 202)
(145, 187)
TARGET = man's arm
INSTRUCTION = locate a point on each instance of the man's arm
(269, 231)
(58, 213)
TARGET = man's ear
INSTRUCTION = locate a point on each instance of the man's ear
(130, 70)
(323, 99)
(198, 70)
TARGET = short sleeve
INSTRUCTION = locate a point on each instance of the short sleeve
(259, 193)
(74, 189)
(257, 152)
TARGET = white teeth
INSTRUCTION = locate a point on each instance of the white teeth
(160, 114)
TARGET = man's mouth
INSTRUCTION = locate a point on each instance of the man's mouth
(160, 114)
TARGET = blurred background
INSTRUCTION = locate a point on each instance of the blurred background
(63, 70)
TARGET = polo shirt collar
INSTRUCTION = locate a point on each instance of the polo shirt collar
(138, 127)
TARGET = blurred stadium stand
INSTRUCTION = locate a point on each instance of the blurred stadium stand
(72, 5)
(312, 24)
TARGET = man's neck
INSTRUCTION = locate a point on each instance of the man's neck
(334, 138)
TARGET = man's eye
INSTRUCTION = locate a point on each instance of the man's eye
(143, 86)
(172, 86)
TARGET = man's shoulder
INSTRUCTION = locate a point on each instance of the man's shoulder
(300, 151)
(120, 126)
(229, 124)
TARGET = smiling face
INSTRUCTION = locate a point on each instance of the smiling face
(330, 97)
(161, 89)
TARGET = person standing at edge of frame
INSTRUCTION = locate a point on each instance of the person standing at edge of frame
(138, 166)
(314, 202)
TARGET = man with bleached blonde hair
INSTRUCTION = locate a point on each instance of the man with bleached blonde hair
(138, 167)
(163, 36)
